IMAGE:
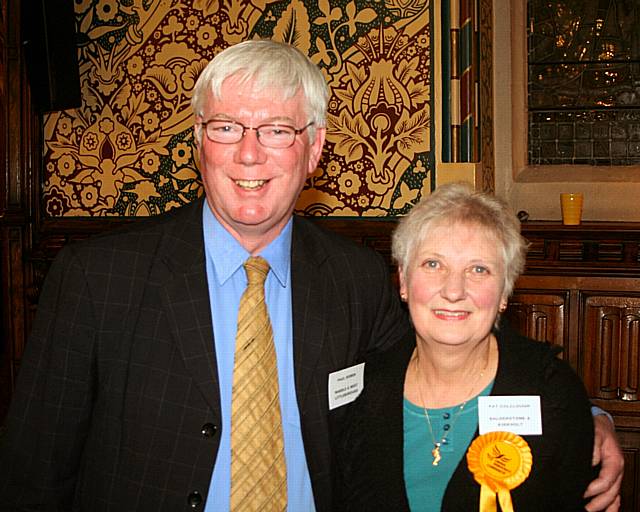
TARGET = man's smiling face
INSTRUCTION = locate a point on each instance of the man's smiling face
(252, 189)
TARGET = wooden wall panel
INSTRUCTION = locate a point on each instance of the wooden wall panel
(14, 203)
(611, 368)
(540, 315)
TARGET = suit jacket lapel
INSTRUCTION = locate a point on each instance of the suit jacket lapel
(186, 301)
(308, 297)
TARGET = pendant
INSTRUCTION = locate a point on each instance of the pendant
(436, 454)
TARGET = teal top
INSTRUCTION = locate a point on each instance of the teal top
(424, 482)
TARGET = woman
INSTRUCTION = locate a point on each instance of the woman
(405, 441)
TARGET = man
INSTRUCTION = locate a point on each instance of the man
(125, 394)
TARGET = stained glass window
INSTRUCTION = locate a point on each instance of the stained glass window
(584, 82)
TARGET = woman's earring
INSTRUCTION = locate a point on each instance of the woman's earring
(503, 307)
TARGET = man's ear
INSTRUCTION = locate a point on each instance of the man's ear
(197, 133)
(315, 151)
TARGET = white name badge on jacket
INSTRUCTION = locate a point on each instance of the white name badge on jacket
(517, 414)
(345, 385)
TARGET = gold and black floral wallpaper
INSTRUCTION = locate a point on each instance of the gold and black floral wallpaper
(129, 149)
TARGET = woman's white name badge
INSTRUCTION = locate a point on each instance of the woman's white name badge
(517, 414)
(345, 385)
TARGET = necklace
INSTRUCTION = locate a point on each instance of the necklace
(435, 452)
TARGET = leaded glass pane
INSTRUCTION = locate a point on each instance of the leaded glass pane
(584, 82)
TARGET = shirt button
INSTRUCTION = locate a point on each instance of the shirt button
(194, 499)
(208, 429)
(446, 426)
(446, 415)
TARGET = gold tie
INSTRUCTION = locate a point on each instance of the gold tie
(258, 466)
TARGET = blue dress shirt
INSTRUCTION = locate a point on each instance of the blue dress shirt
(227, 281)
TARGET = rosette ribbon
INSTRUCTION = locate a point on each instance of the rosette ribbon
(499, 462)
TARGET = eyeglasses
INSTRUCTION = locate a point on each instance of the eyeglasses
(272, 135)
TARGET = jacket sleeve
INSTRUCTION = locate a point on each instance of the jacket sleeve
(391, 323)
(49, 416)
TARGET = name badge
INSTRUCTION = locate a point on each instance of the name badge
(345, 385)
(518, 414)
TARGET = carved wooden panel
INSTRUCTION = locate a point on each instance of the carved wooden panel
(594, 248)
(611, 362)
(540, 315)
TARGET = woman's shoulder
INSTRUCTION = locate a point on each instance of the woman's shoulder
(524, 352)
(528, 366)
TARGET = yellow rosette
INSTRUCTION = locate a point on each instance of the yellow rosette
(499, 461)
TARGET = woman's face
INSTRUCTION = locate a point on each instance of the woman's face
(454, 285)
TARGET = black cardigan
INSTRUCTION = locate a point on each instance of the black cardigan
(369, 445)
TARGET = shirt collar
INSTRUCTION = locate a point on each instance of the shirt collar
(227, 255)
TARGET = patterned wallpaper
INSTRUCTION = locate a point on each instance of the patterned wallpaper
(129, 149)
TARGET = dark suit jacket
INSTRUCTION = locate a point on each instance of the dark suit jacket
(370, 456)
(117, 404)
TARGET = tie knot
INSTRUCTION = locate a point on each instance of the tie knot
(257, 269)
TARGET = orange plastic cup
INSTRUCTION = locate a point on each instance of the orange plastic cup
(571, 208)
